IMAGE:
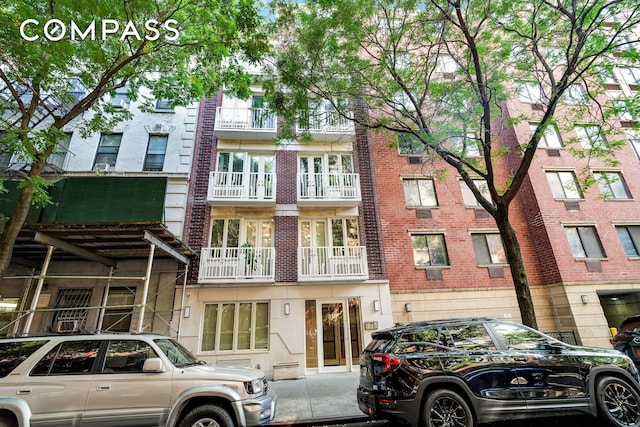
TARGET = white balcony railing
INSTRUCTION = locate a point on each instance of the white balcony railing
(329, 186)
(324, 263)
(239, 264)
(258, 119)
(240, 186)
(317, 121)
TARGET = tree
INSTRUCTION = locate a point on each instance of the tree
(441, 73)
(61, 59)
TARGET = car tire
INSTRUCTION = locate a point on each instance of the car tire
(618, 402)
(207, 416)
(447, 408)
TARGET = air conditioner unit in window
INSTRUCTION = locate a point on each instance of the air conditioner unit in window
(102, 167)
(118, 103)
(67, 326)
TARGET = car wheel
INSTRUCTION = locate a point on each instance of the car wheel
(618, 402)
(207, 416)
(446, 408)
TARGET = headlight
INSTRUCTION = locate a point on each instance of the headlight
(255, 386)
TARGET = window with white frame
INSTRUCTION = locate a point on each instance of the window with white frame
(163, 105)
(612, 185)
(419, 192)
(409, 144)
(119, 309)
(467, 195)
(574, 94)
(121, 98)
(59, 155)
(550, 138)
(467, 146)
(429, 249)
(530, 92)
(556, 56)
(445, 64)
(488, 248)
(584, 242)
(590, 136)
(564, 185)
(630, 75)
(630, 239)
(635, 144)
(235, 326)
(156, 151)
(108, 150)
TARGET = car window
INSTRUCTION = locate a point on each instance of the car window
(14, 353)
(126, 356)
(176, 353)
(421, 341)
(67, 358)
(470, 337)
(516, 337)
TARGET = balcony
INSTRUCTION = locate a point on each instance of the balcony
(244, 264)
(332, 263)
(240, 188)
(325, 125)
(245, 123)
(329, 189)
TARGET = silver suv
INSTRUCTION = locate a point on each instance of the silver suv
(124, 380)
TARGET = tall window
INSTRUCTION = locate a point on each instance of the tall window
(120, 98)
(108, 149)
(488, 248)
(635, 144)
(156, 151)
(235, 326)
(564, 185)
(117, 314)
(72, 308)
(574, 94)
(465, 145)
(429, 250)
(611, 185)
(584, 242)
(469, 198)
(530, 92)
(590, 136)
(60, 153)
(550, 138)
(630, 75)
(419, 192)
(630, 238)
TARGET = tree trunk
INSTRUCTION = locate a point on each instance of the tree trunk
(516, 264)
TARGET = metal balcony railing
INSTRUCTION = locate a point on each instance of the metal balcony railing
(240, 186)
(329, 186)
(318, 121)
(239, 264)
(261, 119)
(326, 263)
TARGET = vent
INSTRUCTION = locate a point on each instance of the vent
(537, 107)
(553, 152)
(434, 274)
(413, 160)
(496, 271)
(481, 213)
(593, 265)
(423, 213)
(572, 206)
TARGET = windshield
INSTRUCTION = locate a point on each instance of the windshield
(177, 354)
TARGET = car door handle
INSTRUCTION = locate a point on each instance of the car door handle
(103, 387)
(24, 391)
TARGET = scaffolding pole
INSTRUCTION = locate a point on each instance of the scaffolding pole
(36, 294)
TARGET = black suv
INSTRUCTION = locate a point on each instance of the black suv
(460, 372)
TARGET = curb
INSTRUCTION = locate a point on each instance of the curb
(322, 421)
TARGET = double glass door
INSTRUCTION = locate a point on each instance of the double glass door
(333, 342)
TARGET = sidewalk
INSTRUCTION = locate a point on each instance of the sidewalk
(316, 398)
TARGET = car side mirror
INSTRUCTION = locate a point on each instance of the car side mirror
(153, 364)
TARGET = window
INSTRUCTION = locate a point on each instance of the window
(469, 337)
(574, 94)
(584, 242)
(465, 145)
(516, 337)
(635, 144)
(419, 192)
(445, 64)
(14, 353)
(611, 185)
(630, 75)
(156, 150)
(108, 150)
(530, 92)
(409, 144)
(550, 138)
(8, 309)
(556, 56)
(590, 136)
(564, 185)
(469, 198)
(70, 357)
(120, 99)
(488, 248)
(236, 326)
(127, 356)
(60, 153)
(77, 89)
(163, 105)
(630, 238)
(72, 307)
(117, 314)
(429, 250)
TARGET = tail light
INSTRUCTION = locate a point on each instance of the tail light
(388, 361)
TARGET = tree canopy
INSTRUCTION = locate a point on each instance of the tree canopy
(63, 58)
(440, 74)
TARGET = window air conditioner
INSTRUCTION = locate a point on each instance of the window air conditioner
(118, 103)
(67, 326)
(102, 167)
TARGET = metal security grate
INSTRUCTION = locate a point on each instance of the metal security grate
(71, 310)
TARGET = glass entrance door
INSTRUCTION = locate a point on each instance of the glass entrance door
(333, 334)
